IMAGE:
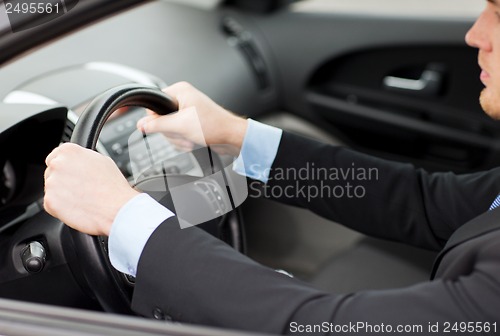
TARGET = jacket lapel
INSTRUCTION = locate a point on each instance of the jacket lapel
(487, 222)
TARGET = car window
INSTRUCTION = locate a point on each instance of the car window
(436, 8)
(198, 3)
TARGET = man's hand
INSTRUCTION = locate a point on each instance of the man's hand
(84, 189)
(218, 126)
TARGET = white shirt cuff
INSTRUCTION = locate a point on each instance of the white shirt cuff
(258, 151)
(134, 224)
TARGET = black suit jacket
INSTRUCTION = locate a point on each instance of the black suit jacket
(192, 277)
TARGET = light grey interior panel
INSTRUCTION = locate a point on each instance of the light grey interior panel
(303, 41)
(170, 41)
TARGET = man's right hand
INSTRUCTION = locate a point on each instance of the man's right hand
(218, 126)
(84, 189)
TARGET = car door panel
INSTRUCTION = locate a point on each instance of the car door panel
(334, 72)
(441, 129)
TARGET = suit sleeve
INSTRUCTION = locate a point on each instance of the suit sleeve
(192, 277)
(380, 198)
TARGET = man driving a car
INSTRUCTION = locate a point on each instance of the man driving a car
(202, 280)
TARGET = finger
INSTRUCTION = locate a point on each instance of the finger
(47, 173)
(141, 122)
(66, 150)
(172, 93)
(177, 89)
(52, 156)
(170, 123)
(73, 148)
(152, 113)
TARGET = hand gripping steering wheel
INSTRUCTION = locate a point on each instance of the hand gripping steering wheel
(110, 288)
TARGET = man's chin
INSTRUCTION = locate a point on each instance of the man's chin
(490, 105)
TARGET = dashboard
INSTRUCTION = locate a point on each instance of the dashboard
(230, 50)
(124, 48)
(47, 92)
(31, 240)
(28, 134)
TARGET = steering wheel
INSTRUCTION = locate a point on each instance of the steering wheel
(113, 290)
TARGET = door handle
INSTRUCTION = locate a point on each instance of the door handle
(429, 83)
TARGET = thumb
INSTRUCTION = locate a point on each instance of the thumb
(184, 123)
(166, 124)
(145, 120)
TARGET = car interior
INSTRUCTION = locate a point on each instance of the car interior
(393, 79)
